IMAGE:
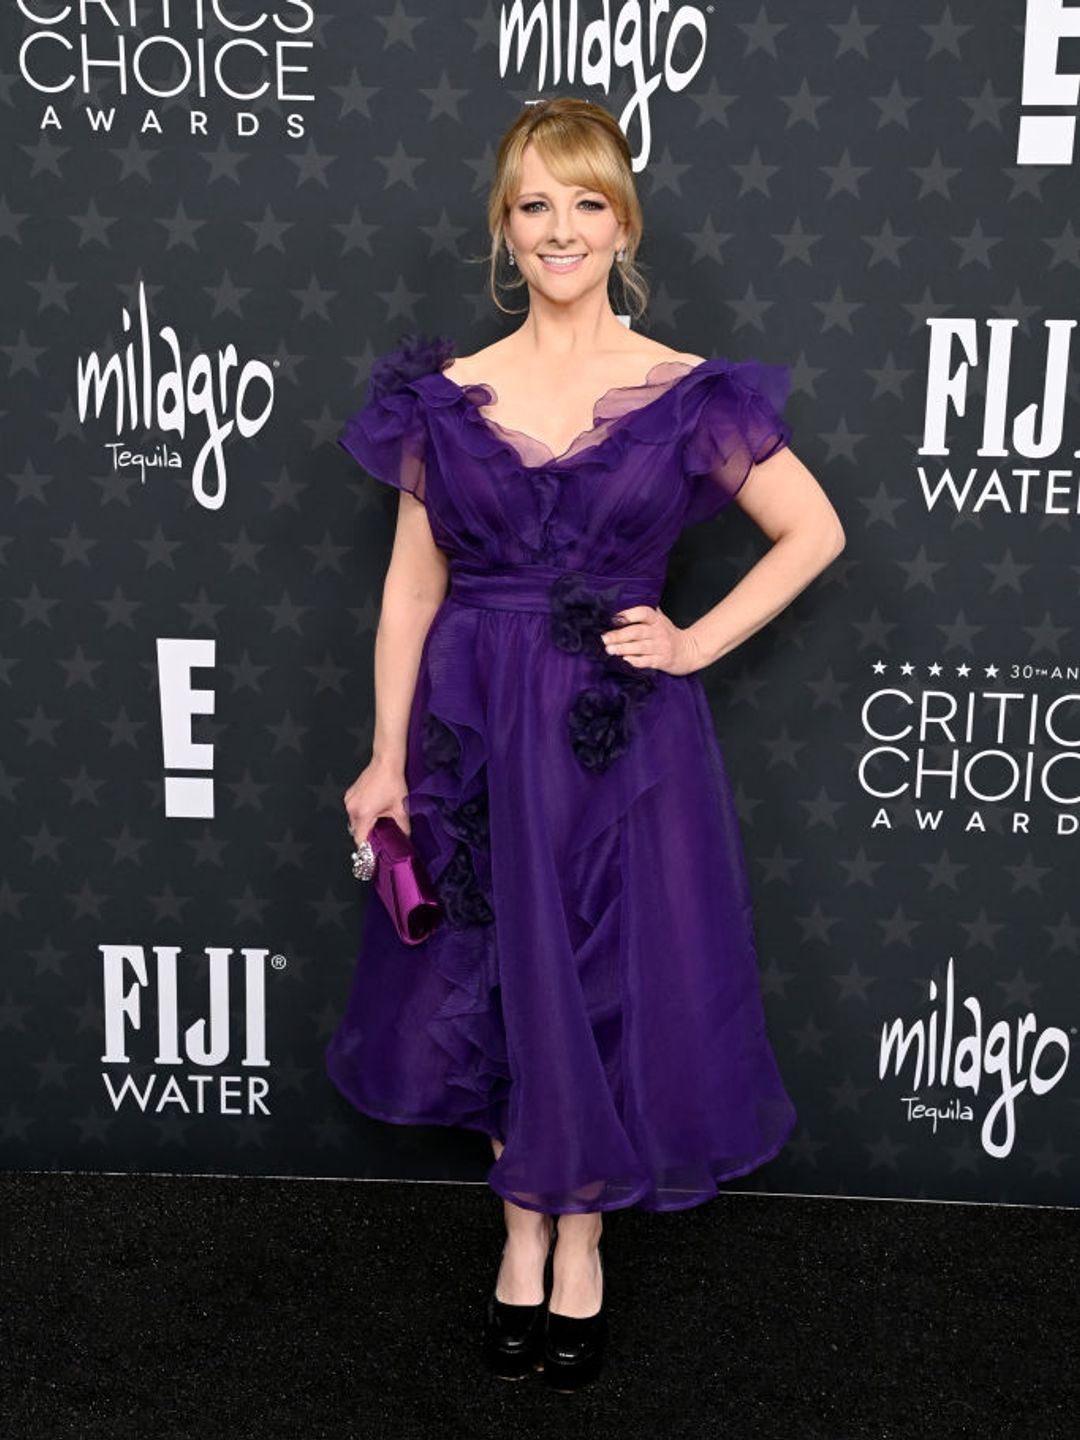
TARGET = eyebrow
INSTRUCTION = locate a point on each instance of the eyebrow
(543, 195)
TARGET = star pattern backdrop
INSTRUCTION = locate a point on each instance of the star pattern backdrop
(827, 187)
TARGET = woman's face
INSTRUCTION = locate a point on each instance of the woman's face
(549, 219)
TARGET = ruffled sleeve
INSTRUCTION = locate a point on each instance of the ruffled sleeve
(740, 424)
(388, 436)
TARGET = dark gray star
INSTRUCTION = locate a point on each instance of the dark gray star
(288, 735)
(803, 107)
(39, 728)
(943, 871)
(1065, 248)
(355, 97)
(1048, 1159)
(123, 729)
(222, 162)
(986, 107)
(118, 610)
(976, 248)
(774, 979)
(126, 846)
(845, 176)
(10, 900)
(981, 930)
(52, 292)
(30, 483)
(93, 227)
(809, 1037)
(854, 983)
(93, 1128)
(761, 33)
(83, 788)
(712, 105)
(778, 866)
(400, 301)
(208, 849)
(285, 490)
(1064, 935)
(884, 1152)
(311, 165)
(935, 177)
(897, 929)
(853, 35)
(821, 810)
(85, 902)
(399, 27)
(182, 229)
(816, 925)
(44, 844)
(247, 793)
(1046, 635)
(847, 1095)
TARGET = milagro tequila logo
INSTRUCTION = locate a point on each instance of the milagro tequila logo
(655, 42)
(1009, 1057)
(154, 389)
(141, 1002)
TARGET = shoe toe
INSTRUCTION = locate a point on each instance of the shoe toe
(513, 1338)
(573, 1349)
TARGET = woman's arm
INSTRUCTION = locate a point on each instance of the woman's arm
(415, 586)
(785, 500)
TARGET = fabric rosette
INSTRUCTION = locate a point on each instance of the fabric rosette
(416, 355)
(602, 720)
(466, 820)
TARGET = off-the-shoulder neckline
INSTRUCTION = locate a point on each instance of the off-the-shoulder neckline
(470, 393)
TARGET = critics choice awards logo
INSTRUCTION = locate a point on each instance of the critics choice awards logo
(953, 744)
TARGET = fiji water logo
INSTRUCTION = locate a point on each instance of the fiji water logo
(656, 44)
(1012, 1057)
(141, 1000)
(149, 385)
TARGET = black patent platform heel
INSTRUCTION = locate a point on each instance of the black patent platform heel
(513, 1341)
(574, 1345)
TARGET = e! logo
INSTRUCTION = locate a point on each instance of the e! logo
(1048, 139)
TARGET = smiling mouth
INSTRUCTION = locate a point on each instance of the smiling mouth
(561, 261)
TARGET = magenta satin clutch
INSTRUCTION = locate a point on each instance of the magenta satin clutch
(402, 882)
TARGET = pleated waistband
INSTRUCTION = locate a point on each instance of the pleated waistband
(529, 587)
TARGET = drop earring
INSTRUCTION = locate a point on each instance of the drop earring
(510, 256)
(620, 254)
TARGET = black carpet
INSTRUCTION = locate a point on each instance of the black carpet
(154, 1306)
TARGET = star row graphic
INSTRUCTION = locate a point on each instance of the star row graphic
(935, 669)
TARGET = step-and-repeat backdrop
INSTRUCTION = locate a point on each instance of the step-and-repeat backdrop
(212, 220)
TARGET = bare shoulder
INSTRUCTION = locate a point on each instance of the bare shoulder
(478, 367)
(652, 353)
(664, 352)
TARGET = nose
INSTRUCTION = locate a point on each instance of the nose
(562, 231)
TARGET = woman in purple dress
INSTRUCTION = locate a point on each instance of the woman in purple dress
(591, 998)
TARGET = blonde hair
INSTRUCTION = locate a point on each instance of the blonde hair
(581, 144)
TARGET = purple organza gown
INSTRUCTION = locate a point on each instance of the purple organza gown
(591, 997)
